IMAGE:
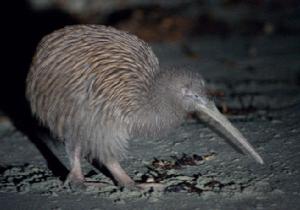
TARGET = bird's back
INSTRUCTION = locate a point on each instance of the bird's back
(83, 70)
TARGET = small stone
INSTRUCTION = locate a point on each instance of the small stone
(274, 121)
(277, 135)
(278, 192)
(150, 180)
(184, 178)
(153, 199)
(263, 186)
(56, 208)
(207, 194)
(172, 172)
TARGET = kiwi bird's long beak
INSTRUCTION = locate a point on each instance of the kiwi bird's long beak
(211, 115)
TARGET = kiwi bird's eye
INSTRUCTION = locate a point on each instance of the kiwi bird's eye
(200, 99)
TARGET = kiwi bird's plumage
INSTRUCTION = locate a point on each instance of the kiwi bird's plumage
(95, 87)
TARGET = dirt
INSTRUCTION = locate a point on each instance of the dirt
(258, 92)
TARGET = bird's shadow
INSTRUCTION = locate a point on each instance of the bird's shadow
(22, 34)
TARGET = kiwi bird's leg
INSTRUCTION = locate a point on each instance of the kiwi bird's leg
(124, 180)
(74, 154)
(211, 115)
(76, 177)
(119, 174)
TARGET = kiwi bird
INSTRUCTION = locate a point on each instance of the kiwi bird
(96, 87)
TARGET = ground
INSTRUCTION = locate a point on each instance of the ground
(254, 81)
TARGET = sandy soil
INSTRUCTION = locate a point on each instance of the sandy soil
(255, 82)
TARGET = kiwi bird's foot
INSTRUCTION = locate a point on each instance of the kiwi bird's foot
(96, 184)
(83, 185)
(124, 180)
(138, 186)
(75, 182)
(150, 185)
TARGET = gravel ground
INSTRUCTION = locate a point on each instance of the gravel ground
(255, 82)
